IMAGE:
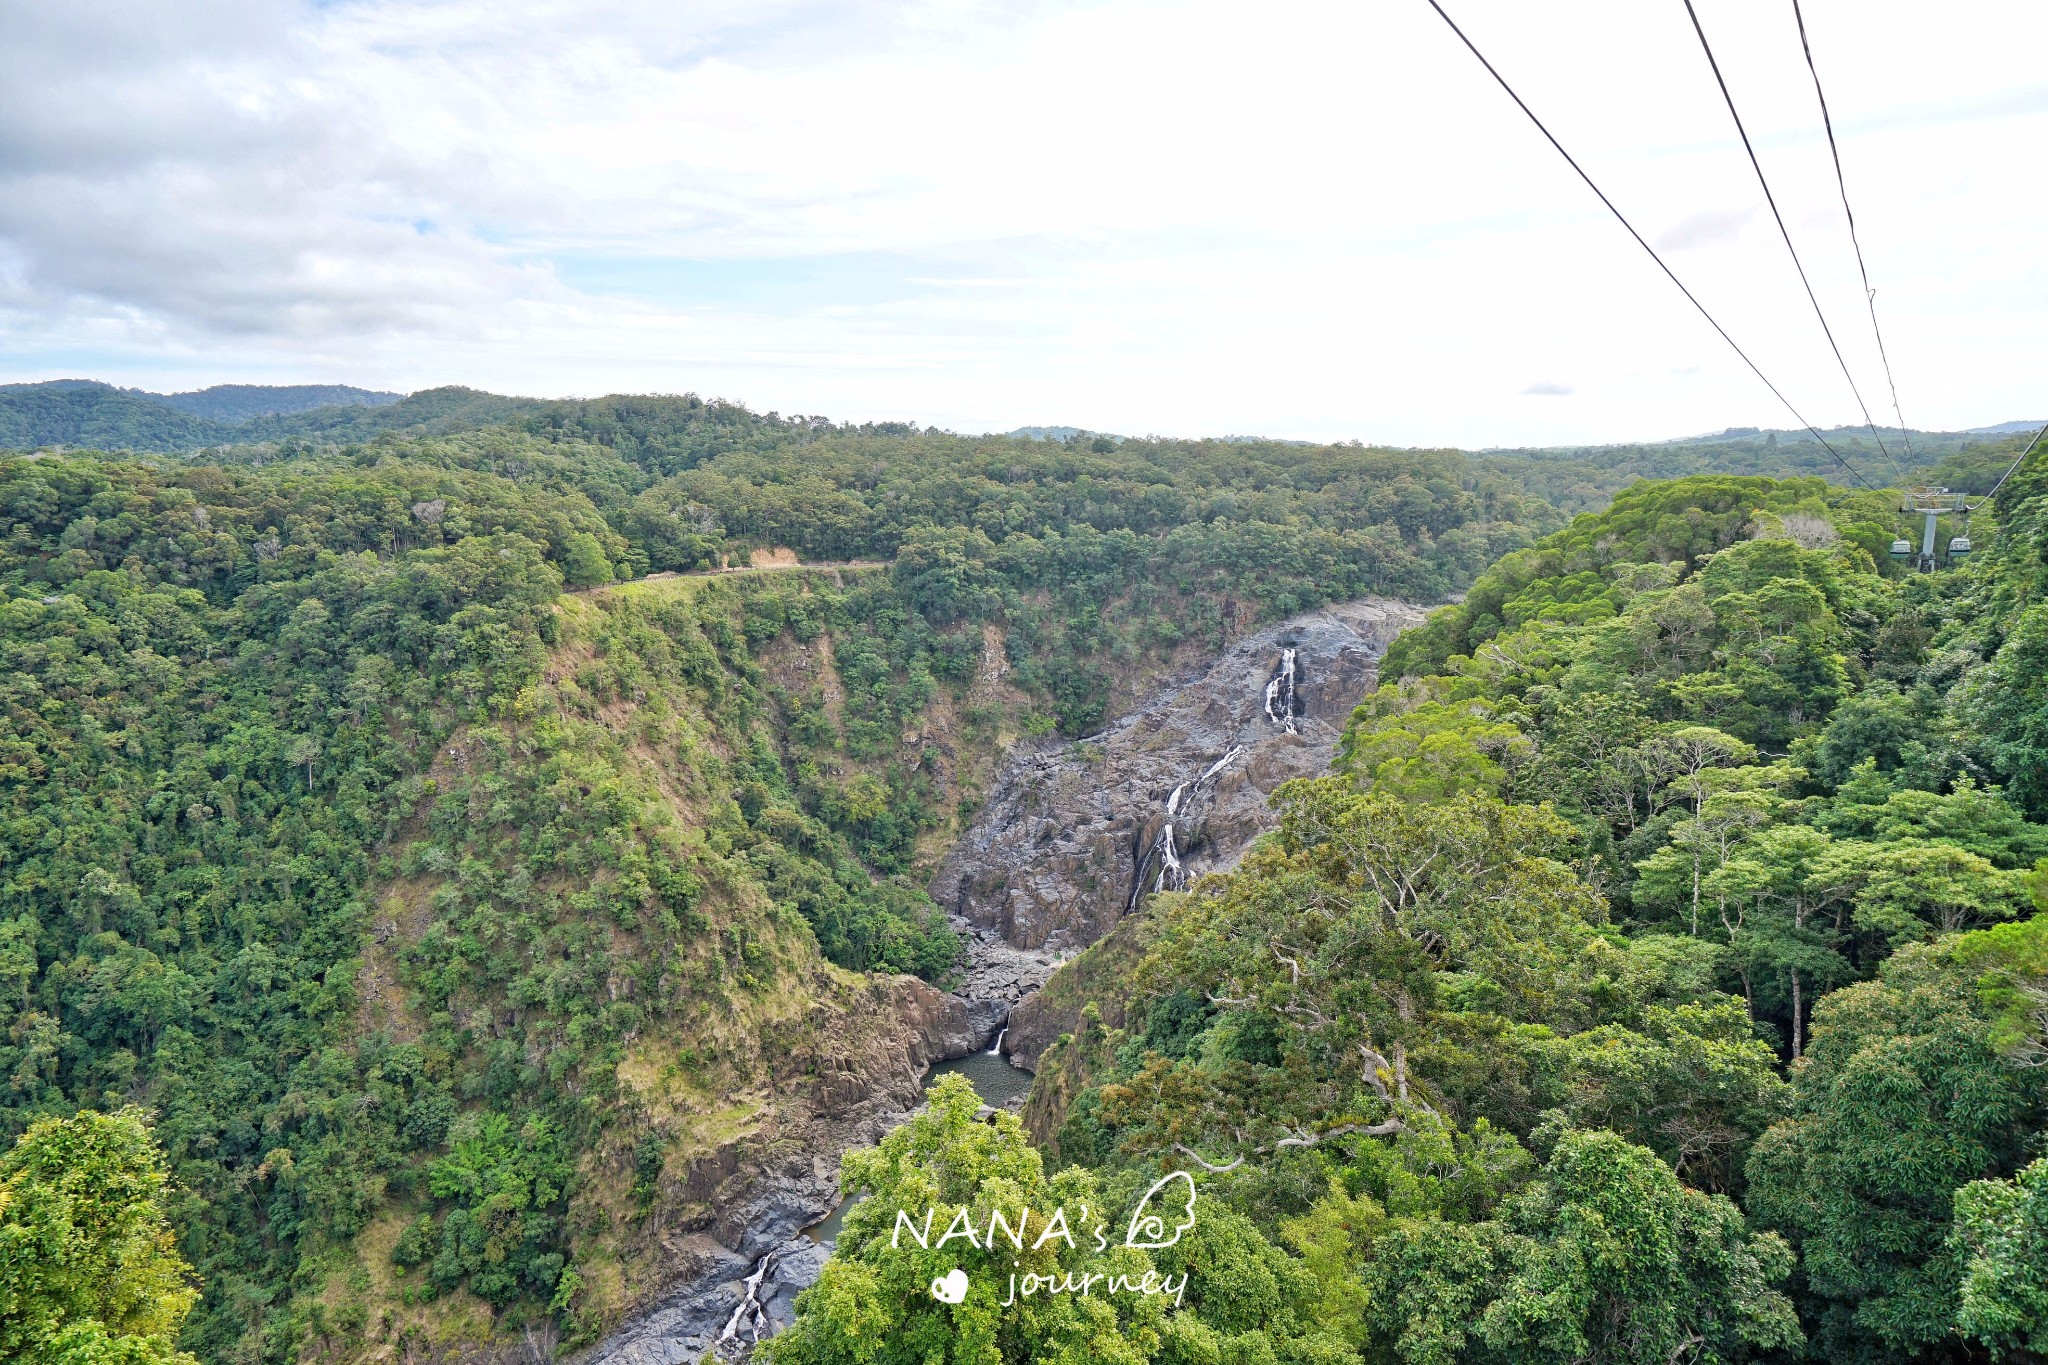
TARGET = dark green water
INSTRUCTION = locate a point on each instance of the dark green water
(993, 1078)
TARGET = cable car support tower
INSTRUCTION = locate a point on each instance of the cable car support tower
(1930, 504)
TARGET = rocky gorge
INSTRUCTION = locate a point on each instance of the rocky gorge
(1073, 835)
(1070, 838)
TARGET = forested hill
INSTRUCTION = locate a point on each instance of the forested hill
(90, 415)
(464, 913)
(1661, 977)
(467, 879)
(1582, 478)
(240, 402)
(666, 434)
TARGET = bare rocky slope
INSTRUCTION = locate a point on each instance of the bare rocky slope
(726, 1285)
(1072, 834)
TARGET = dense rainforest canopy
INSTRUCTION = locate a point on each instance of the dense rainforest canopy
(400, 812)
(411, 866)
(1660, 977)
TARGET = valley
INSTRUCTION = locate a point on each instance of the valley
(522, 874)
(1230, 709)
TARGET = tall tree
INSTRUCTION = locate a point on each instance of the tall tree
(89, 1271)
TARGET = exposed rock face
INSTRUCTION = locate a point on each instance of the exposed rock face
(1055, 1008)
(729, 1308)
(1072, 833)
(763, 1191)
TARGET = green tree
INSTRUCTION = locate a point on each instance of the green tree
(1692, 1084)
(2011, 961)
(89, 1271)
(1788, 880)
(1334, 1239)
(2008, 705)
(1406, 742)
(584, 564)
(2002, 1226)
(1903, 1099)
(873, 1301)
(1916, 892)
(1605, 1257)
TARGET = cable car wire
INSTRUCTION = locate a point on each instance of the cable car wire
(1652, 251)
(1786, 233)
(1841, 183)
(2010, 471)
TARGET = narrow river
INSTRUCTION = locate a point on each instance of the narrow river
(993, 1078)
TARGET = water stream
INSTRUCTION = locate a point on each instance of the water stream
(750, 1316)
(1280, 694)
(993, 1078)
(1180, 802)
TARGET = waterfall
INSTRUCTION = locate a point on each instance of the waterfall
(995, 1049)
(1172, 877)
(1166, 848)
(750, 1315)
(1217, 766)
(1280, 694)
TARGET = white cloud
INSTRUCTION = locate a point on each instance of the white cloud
(1710, 227)
(1308, 218)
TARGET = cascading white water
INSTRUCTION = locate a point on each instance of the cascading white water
(1280, 694)
(1216, 767)
(750, 1315)
(995, 1049)
(1172, 877)
(1166, 848)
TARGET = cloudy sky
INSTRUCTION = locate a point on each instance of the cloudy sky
(1312, 218)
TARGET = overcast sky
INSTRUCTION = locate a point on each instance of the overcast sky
(1295, 218)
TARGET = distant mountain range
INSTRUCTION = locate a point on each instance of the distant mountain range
(87, 414)
(1049, 433)
(1769, 434)
(240, 402)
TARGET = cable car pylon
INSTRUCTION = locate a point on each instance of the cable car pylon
(1931, 504)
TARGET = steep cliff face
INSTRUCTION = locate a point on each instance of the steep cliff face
(721, 1263)
(1073, 834)
(1066, 1030)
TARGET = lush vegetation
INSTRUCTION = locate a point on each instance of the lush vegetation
(1240, 1296)
(1661, 976)
(240, 402)
(398, 807)
(1584, 478)
(667, 435)
(89, 1269)
(95, 416)
(445, 895)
